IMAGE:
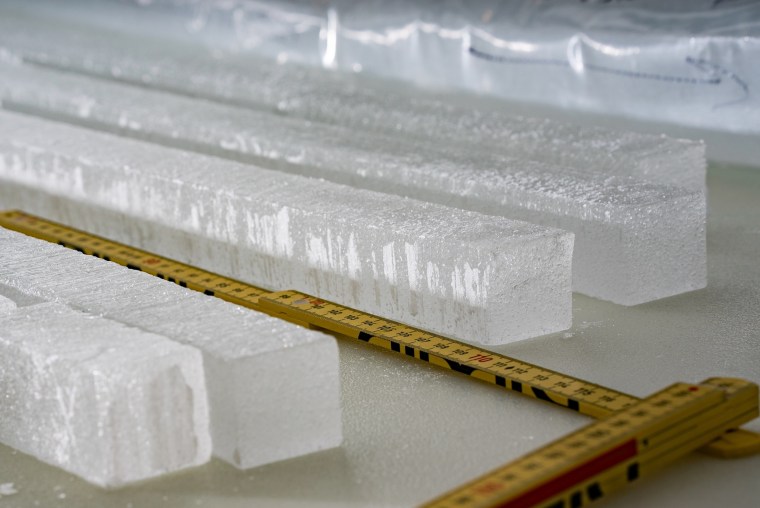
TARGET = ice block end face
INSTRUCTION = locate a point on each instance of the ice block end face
(109, 403)
(537, 299)
(287, 402)
(650, 252)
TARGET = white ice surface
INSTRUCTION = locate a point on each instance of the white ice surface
(110, 403)
(475, 277)
(273, 386)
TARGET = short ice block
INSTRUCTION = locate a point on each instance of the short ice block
(636, 240)
(110, 403)
(478, 278)
(274, 387)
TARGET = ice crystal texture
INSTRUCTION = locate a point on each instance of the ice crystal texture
(6, 305)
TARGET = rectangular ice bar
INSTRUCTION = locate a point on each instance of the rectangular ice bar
(273, 387)
(353, 101)
(471, 276)
(636, 241)
(110, 403)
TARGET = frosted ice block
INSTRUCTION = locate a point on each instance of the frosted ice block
(353, 101)
(273, 387)
(636, 241)
(471, 276)
(110, 403)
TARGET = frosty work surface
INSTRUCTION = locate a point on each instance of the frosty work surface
(636, 241)
(413, 431)
(273, 387)
(343, 99)
(107, 402)
(475, 277)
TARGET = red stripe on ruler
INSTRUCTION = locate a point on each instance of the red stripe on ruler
(573, 477)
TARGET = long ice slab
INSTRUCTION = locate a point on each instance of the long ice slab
(353, 101)
(475, 277)
(110, 403)
(636, 241)
(273, 387)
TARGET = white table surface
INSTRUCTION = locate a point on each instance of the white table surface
(412, 431)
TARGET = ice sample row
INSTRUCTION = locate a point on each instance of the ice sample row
(273, 387)
(451, 122)
(474, 277)
(110, 403)
(636, 240)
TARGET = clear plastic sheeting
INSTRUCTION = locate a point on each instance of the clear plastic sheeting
(684, 64)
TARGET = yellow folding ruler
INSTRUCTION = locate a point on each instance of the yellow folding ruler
(608, 455)
(721, 435)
